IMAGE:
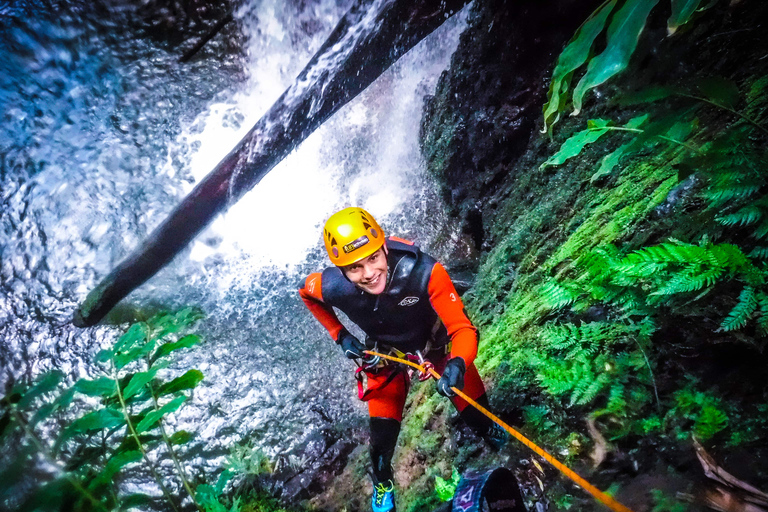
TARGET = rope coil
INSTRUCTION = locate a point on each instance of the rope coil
(599, 495)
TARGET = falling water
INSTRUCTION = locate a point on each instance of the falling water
(105, 131)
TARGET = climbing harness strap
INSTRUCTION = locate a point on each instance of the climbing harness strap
(599, 495)
(364, 389)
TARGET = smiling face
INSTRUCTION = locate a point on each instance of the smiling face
(370, 273)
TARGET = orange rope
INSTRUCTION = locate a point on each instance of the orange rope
(599, 495)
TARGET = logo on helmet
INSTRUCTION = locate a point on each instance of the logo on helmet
(356, 244)
(408, 301)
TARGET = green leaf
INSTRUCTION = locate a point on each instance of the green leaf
(637, 121)
(181, 437)
(96, 420)
(117, 462)
(742, 311)
(720, 91)
(165, 324)
(623, 34)
(138, 381)
(47, 409)
(577, 142)
(103, 386)
(45, 384)
(103, 356)
(153, 417)
(682, 10)
(136, 333)
(208, 499)
(166, 348)
(609, 161)
(189, 380)
(136, 500)
(572, 57)
(711, 421)
(134, 354)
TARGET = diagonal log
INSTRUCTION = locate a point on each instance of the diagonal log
(370, 37)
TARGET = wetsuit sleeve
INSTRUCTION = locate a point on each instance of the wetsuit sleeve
(448, 306)
(312, 295)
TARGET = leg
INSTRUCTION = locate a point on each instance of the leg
(385, 407)
(483, 426)
(384, 432)
(474, 389)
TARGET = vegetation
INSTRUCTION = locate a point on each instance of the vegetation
(74, 446)
(644, 250)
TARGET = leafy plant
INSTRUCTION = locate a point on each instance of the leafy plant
(94, 431)
(701, 409)
(602, 364)
(445, 489)
(622, 23)
(664, 503)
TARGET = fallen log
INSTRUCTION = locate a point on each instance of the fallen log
(370, 37)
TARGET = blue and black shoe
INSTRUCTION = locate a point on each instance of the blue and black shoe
(383, 499)
(496, 437)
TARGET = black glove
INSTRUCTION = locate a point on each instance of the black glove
(453, 377)
(351, 346)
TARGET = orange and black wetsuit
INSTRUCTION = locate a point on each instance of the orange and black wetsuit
(419, 309)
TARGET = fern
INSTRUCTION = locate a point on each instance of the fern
(710, 421)
(743, 217)
(701, 411)
(555, 295)
(742, 311)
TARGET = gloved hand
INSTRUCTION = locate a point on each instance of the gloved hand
(453, 377)
(351, 346)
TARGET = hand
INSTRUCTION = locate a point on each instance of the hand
(351, 346)
(453, 377)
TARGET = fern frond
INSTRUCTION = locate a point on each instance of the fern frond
(617, 402)
(740, 314)
(759, 253)
(711, 421)
(668, 252)
(692, 279)
(744, 217)
(729, 256)
(555, 295)
(761, 231)
(727, 190)
(762, 320)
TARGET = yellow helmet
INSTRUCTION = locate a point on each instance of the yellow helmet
(351, 235)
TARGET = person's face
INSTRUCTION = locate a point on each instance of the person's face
(370, 273)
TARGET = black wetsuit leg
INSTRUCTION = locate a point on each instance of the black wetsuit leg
(384, 432)
(476, 420)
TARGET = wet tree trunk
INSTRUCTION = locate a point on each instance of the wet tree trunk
(370, 37)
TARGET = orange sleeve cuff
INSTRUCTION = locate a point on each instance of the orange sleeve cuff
(312, 295)
(448, 306)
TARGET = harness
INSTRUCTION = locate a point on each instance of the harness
(377, 364)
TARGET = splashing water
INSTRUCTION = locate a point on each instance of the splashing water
(104, 133)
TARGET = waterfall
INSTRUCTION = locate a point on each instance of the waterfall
(106, 131)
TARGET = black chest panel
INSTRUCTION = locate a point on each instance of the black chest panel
(401, 316)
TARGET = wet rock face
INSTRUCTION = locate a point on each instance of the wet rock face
(485, 107)
(312, 472)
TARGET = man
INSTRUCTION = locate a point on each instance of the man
(405, 303)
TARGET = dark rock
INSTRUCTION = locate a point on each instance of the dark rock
(484, 110)
(324, 457)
